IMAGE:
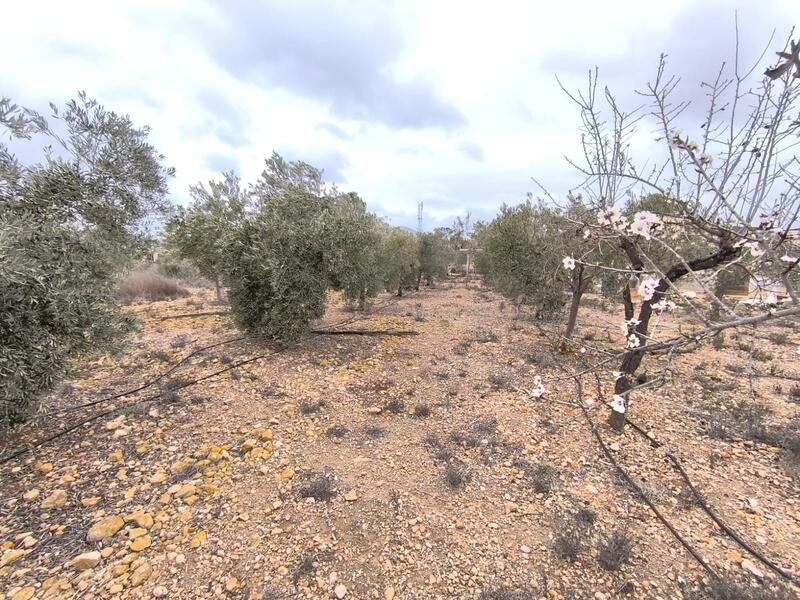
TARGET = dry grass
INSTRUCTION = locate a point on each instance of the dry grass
(149, 285)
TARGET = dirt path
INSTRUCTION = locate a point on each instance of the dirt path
(433, 476)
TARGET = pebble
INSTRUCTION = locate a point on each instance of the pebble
(340, 591)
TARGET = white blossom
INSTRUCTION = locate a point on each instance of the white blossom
(689, 294)
(590, 402)
(538, 388)
(618, 403)
(647, 288)
(633, 341)
(568, 262)
(755, 249)
(788, 259)
(612, 217)
(674, 137)
(628, 325)
(616, 374)
(587, 233)
(664, 305)
(705, 159)
(645, 223)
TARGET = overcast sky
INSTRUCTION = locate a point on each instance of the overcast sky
(454, 104)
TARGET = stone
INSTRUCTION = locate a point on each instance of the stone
(43, 468)
(136, 532)
(87, 560)
(340, 591)
(55, 500)
(115, 456)
(105, 528)
(351, 496)
(90, 501)
(159, 477)
(9, 557)
(31, 495)
(141, 543)
(248, 445)
(749, 565)
(198, 540)
(231, 584)
(160, 592)
(388, 593)
(141, 574)
(186, 490)
(374, 410)
(142, 519)
(25, 593)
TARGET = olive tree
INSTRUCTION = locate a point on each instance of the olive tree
(69, 226)
(435, 254)
(198, 232)
(400, 258)
(355, 249)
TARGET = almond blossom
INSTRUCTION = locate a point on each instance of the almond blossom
(569, 263)
(645, 223)
(633, 341)
(647, 288)
(612, 217)
(618, 403)
(538, 387)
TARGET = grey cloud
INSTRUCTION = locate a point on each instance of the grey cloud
(472, 151)
(223, 118)
(332, 162)
(338, 53)
(335, 131)
(697, 42)
(221, 163)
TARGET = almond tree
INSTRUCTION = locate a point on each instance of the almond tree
(733, 188)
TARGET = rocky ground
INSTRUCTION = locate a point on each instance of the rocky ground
(399, 467)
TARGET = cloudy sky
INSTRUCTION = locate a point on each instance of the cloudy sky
(454, 104)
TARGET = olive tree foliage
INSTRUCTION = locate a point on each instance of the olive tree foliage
(732, 194)
(523, 252)
(400, 259)
(197, 233)
(281, 243)
(69, 226)
(435, 255)
(356, 250)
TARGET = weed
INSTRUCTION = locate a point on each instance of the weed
(159, 355)
(543, 477)
(305, 568)
(719, 341)
(569, 541)
(456, 475)
(779, 337)
(309, 408)
(614, 550)
(507, 593)
(422, 410)
(395, 406)
(462, 347)
(374, 431)
(586, 517)
(337, 431)
(321, 488)
(794, 392)
(762, 355)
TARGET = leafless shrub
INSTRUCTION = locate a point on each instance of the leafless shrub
(395, 406)
(422, 410)
(149, 285)
(337, 431)
(456, 475)
(320, 487)
(614, 550)
(309, 408)
(569, 541)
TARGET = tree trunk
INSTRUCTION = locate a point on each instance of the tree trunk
(218, 288)
(362, 300)
(400, 291)
(419, 279)
(572, 319)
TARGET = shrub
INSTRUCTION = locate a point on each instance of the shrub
(569, 541)
(614, 550)
(321, 488)
(149, 285)
(456, 475)
(543, 477)
(422, 410)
